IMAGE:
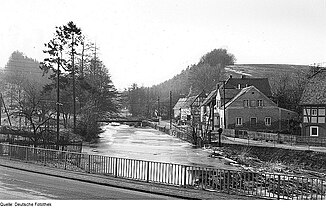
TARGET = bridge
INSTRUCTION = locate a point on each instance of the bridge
(121, 120)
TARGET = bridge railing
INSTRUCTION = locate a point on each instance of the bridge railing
(266, 185)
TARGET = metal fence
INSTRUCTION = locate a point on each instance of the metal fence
(265, 185)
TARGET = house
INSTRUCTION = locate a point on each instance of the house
(250, 109)
(189, 108)
(244, 103)
(313, 102)
(177, 107)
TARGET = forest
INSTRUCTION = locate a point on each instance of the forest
(150, 101)
(71, 83)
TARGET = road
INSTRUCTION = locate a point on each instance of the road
(22, 185)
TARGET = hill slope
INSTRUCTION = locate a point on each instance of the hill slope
(264, 70)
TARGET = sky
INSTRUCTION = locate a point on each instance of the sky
(150, 41)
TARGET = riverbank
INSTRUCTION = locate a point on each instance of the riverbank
(273, 158)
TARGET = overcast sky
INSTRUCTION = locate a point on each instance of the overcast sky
(149, 41)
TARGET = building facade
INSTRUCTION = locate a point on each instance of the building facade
(252, 110)
(313, 102)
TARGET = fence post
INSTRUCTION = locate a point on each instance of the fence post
(147, 172)
(65, 153)
(228, 181)
(26, 154)
(185, 176)
(278, 187)
(9, 152)
(89, 163)
(44, 157)
(116, 168)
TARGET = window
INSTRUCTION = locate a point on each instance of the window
(246, 103)
(313, 130)
(239, 121)
(313, 120)
(321, 119)
(253, 121)
(268, 121)
(260, 103)
(314, 112)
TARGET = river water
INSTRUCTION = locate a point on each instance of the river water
(149, 144)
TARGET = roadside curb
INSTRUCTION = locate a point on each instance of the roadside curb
(152, 188)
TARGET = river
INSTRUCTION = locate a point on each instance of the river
(149, 144)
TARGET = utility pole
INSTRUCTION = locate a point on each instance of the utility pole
(82, 60)
(73, 80)
(58, 100)
(170, 110)
(148, 115)
(158, 106)
(224, 105)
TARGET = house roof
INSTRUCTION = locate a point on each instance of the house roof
(229, 93)
(210, 97)
(180, 103)
(261, 84)
(241, 92)
(189, 101)
(315, 90)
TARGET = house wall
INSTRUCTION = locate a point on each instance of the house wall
(176, 112)
(314, 119)
(254, 117)
(185, 112)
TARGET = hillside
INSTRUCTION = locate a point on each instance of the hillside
(264, 70)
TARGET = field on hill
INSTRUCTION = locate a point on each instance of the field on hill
(264, 70)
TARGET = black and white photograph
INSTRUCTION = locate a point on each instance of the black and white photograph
(162, 102)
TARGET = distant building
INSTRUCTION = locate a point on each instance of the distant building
(188, 109)
(177, 107)
(313, 101)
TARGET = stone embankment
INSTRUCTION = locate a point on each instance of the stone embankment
(273, 159)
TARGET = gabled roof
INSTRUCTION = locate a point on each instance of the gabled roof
(229, 93)
(180, 103)
(210, 97)
(189, 101)
(244, 90)
(261, 84)
(315, 90)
